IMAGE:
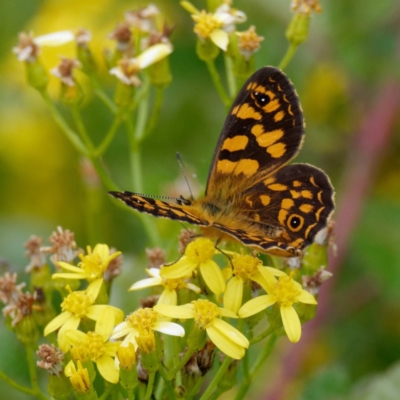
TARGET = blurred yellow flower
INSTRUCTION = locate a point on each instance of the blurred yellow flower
(79, 377)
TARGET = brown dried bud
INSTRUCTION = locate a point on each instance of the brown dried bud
(51, 358)
(156, 257)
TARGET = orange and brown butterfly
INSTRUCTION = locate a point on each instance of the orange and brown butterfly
(251, 194)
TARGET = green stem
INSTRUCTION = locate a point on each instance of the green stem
(190, 351)
(288, 56)
(155, 115)
(136, 170)
(217, 83)
(81, 128)
(107, 392)
(101, 95)
(168, 383)
(263, 335)
(196, 388)
(217, 378)
(230, 77)
(150, 384)
(30, 356)
(266, 351)
(142, 115)
(16, 385)
(103, 146)
(105, 179)
(60, 121)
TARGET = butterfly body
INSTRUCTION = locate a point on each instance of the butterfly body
(252, 196)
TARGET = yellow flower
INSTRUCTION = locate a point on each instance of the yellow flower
(245, 269)
(97, 346)
(171, 286)
(215, 26)
(283, 292)
(207, 316)
(79, 377)
(76, 306)
(198, 254)
(128, 68)
(92, 265)
(138, 329)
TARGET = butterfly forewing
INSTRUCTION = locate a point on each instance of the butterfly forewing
(263, 131)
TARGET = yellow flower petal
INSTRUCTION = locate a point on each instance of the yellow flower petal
(55, 323)
(94, 312)
(212, 276)
(256, 305)
(55, 38)
(170, 328)
(153, 54)
(174, 311)
(66, 275)
(291, 323)
(102, 250)
(233, 294)
(220, 38)
(71, 324)
(94, 288)
(69, 267)
(76, 337)
(227, 313)
(168, 296)
(306, 297)
(228, 347)
(106, 367)
(232, 333)
(274, 271)
(270, 280)
(181, 269)
(105, 323)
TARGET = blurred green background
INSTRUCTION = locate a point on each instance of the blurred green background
(352, 55)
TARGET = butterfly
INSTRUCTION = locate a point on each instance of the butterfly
(252, 195)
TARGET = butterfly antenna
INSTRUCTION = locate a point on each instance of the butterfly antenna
(154, 196)
(178, 157)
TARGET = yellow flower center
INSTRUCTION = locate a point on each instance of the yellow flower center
(80, 352)
(200, 251)
(249, 40)
(77, 303)
(245, 266)
(205, 312)
(143, 321)
(306, 6)
(92, 264)
(96, 345)
(206, 23)
(286, 291)
(174, 284)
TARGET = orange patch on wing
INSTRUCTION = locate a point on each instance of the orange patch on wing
(307, 232)
(297, 243)
(282, 216)
(256, 217)
(306, 208)
(287, 204)
(269, 138)
(235, 110)
(265, 200)
(279, 116)
(318, 213)
(178, 213)
(247, 112)
(306, 194)
(246, 166)
(295, 194)
(273, 105)
(226, 166)
(248, 201)
(236, 143)
(268, 181)
(319, 196)
(312, 180)
(251, 85)
(277, 150)
(257, 130)
(277, 187)
(297, 183)
(290, 110)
